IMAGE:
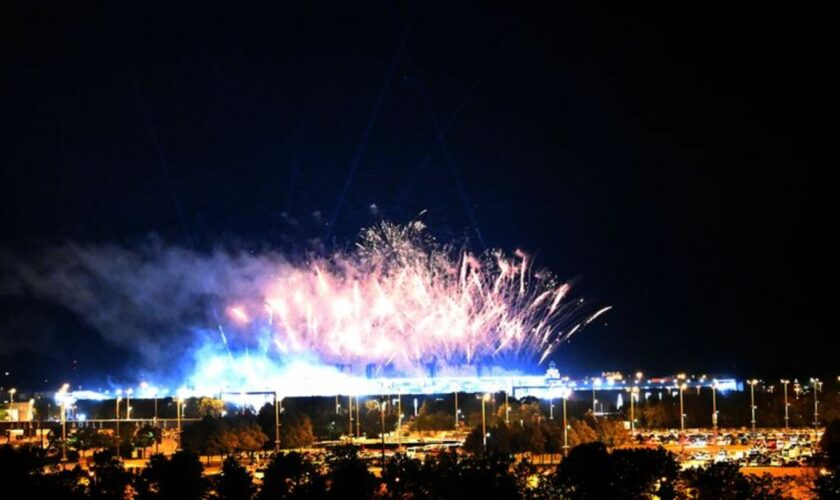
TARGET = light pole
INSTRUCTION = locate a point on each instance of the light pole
(633, 393)
(154, 391)
(63, 393)
(337, 405)
(159, 433)
(399, 419)
(596, 382)
(785, 383)
(456, 410)
(565, 396)
(752, 403)
(507, 409)
(276, 423)
(682, 408)
(551, 408)
(350, 416)
(117, 420)
(358, 419)
(382, 405)
(128, 393)
(484, 399)
(714, 408)
(816, 383)
(180, 401)
(639, 376)
(12, 392)
(63, 432)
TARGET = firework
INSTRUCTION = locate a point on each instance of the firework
(402, 301)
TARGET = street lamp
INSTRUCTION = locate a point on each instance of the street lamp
(62, 393)
(816, 383)
(179, 400)
(682, 408)
(358, 419)
(276, 422)
(785, 383)
(128, 393)
(551, 408)
(155, 396)
(399, 418)
(154, 391)
(456, 410)
(507, 409)
(484, 400)
(752, 403)
(350, 416)
(382, 406)
(159, 436)
(634, 392)
(565, 395)
(714, 407)
(596, 382)
(117, 420)
(12, 392)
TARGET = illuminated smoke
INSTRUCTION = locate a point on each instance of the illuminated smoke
(397, 304)
(403, 301)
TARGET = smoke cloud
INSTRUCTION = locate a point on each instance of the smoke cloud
(398, 302)
(154, 299)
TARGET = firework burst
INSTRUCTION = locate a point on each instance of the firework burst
(402, 300)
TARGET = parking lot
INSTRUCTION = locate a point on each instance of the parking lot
(764, 448)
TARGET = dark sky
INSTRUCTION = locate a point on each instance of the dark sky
(675, 158)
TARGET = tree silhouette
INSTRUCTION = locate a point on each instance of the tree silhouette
(643, 472)
(487, 476)
(292, 476)
(196, 436)
(22, 465)
(84, 439)
(348, 475)
(444, 473)
(235, 482)
(296, 431)
(62, 484)
(720, 481)
(146, 436)
(428, 419)
(581, 433)
(126, 437)
(371, 424)
(404, 478)
(611, 432)
(828, 486)
(110, 479)
(584, 473)
(295, 428)
(590, 471)
(210, 407)
(830, 444)
(178, 478)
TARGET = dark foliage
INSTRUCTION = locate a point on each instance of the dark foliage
(292, 476)
(235, 482)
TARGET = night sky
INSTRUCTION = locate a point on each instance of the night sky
(675, 161)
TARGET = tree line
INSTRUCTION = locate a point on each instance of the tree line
(590, 471)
